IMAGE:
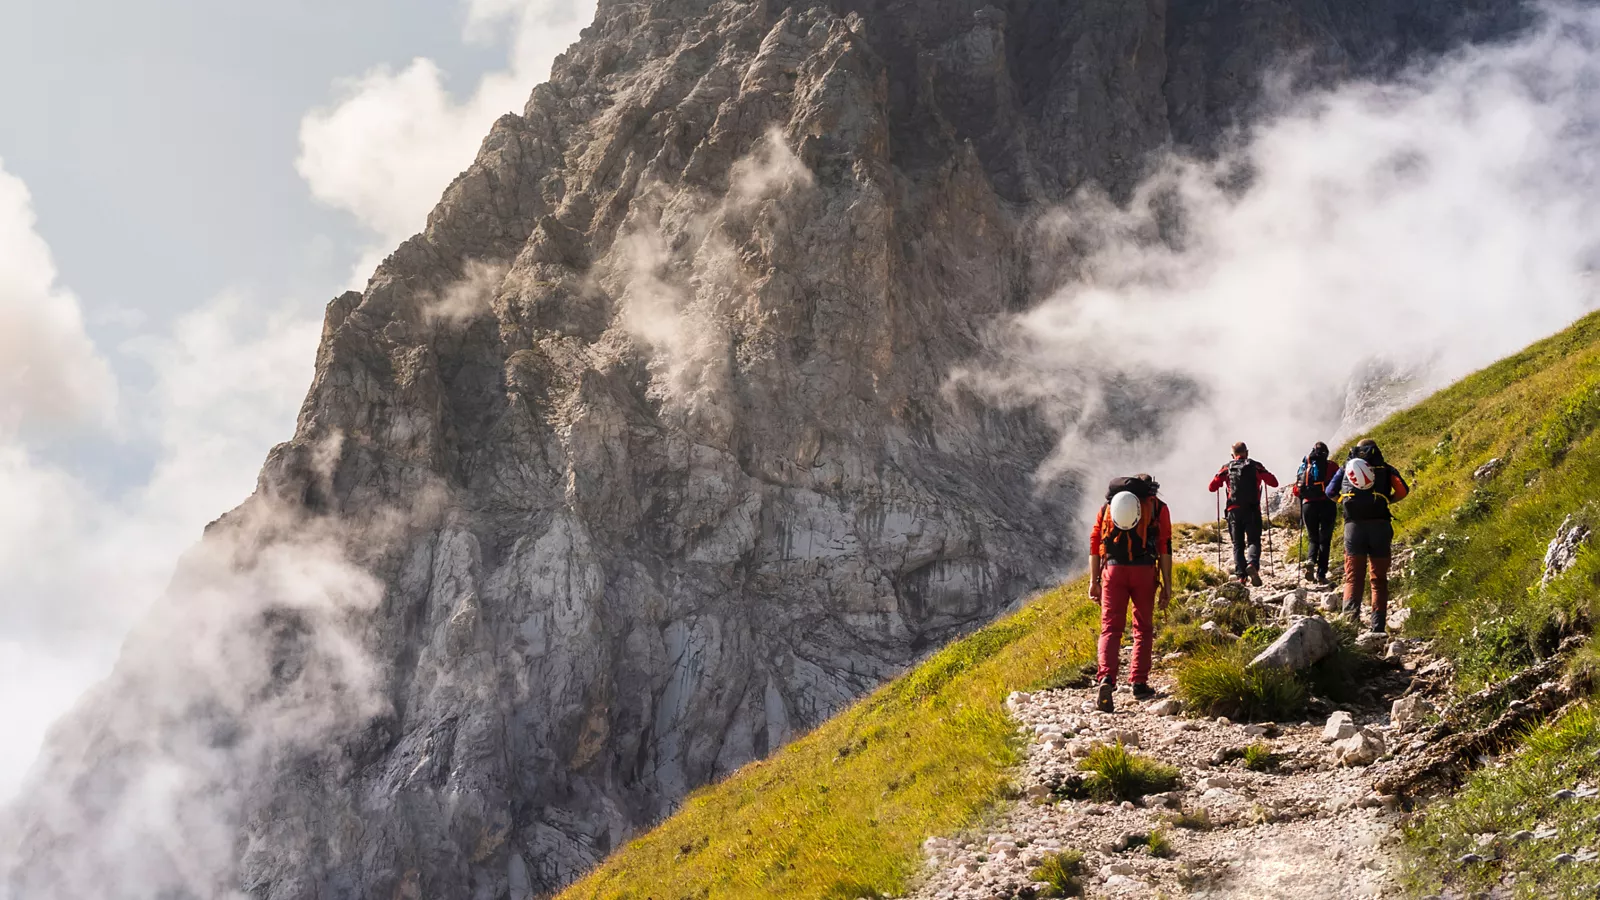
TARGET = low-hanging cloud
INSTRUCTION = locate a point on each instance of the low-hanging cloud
(1391, 235)
(393, 141)
(50, 371)
(81, 561)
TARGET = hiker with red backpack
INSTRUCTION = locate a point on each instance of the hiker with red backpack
(1244, 478)
(1364, 488)
(1130, 560)
(1318, 512)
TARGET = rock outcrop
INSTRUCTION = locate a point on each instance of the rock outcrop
(647, 443)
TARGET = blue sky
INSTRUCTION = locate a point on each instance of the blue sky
(183, 187)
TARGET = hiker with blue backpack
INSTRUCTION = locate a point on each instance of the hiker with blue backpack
(1318, 511)
(1365, 488)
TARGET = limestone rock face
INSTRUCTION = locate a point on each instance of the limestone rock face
(646, 445)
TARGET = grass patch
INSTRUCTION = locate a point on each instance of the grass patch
(1187, 637)
(927, 754)
(1223, 684)
(1258, 757)
(1063, 872)
(1519, 797)
(1195, 575)
(1198, 819)
(1157, 844)
(1117, 773)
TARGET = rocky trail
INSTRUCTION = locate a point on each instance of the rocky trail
(1308, 825)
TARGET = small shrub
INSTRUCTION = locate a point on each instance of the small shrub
(1187, 637)
(1259, 637)
(1258, 757)
(1236, 616)
(1063, 872)
(1197, 819)
(1118, 774)
(1194, 575)
(1159, 845)
(1221, 684)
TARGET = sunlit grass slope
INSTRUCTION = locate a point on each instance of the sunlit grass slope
(1498, 462)
(1481, 541)
(842, 812)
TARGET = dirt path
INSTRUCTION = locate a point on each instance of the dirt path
(1308, 828)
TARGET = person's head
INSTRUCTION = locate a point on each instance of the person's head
(1240, 451)
(1319, 451)
(1367, 450)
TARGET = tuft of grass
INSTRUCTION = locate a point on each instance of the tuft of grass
(1063, 872)
(1195, 575)
(1187, 637)
(927, 754)
(1117, 773)
(1157, 844)
(1222, 684)
(1258, 757)
(1197, 819)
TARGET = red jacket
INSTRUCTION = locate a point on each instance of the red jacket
(1263, 477)
(1163, 533)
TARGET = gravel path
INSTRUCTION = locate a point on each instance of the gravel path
(1308, 828)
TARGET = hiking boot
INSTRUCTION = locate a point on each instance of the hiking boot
(1103, 702)
(1144, 692)
(1255, 576)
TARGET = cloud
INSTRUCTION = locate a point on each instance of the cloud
(392, 141)
(1394, 235)
(80, 563)
(50, 372)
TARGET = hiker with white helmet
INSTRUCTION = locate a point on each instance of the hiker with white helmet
(1364, 488)
(1131, 547)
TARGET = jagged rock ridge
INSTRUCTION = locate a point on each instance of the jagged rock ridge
(647, 436)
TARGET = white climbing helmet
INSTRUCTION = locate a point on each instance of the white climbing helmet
(1359, 474)
(1126, 511)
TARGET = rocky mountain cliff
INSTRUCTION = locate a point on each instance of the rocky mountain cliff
(641, 458)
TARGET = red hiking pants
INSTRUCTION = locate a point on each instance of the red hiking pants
(1123, 585)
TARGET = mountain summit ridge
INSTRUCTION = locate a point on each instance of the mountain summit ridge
(647, 439)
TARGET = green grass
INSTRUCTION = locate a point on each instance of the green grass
(1474, 582)
(1063, 872)
(1516, 798)
(927, 754)
(1195, 575)
(1221, 683)
(1157, 844)
(1117, 773)
(1258, 757)
(1198, 819)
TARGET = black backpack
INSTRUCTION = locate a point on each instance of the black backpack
(1244, 487)
(1138, 487)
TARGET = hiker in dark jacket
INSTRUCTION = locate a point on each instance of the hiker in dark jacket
(1243, 478)
(1364, 488)
(1317, 511)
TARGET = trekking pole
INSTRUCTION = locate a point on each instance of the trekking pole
(1219, 534)
(1272, 562)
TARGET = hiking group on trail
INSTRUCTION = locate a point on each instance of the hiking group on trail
(1130, 546)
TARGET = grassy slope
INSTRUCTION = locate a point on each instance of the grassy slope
(842, 812)
(1475, 587)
